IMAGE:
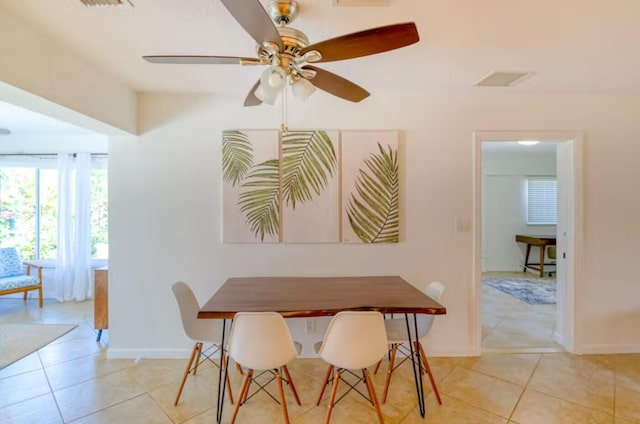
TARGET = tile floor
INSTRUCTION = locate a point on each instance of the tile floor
(71, 381)
(511, 325)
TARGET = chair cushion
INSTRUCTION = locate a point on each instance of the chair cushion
(16, 282)
(10, 263)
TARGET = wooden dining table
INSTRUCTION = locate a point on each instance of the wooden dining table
(304, 297)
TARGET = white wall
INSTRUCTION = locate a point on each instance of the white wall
(165, 208)
(504, 204)
(65, 85)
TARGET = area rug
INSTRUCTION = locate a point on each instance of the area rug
(20, 340)
(534, 291)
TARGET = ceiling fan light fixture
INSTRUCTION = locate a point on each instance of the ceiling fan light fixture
(273, 78)
(302, 89)
(266, 95)
(528, 142)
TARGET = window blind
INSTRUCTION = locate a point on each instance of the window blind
(542, 201)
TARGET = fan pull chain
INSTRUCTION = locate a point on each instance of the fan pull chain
(283, 118)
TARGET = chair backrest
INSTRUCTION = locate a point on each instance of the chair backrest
(354, 340)
(196, 329)
(10, 263)
(261, 340)
(434, 290)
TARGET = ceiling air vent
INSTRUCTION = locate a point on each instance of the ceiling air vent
(105, 2)
(502, 79)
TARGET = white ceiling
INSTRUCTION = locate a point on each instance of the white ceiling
(571, 45)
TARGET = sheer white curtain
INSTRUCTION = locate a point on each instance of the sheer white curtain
(73, 264)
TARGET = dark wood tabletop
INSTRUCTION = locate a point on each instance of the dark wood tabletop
(318, 296)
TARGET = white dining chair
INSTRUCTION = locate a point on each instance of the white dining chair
(200, 331)
(353, 341)
(261, 341)
(396, 329)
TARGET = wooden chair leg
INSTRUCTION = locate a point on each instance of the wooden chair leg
(186, 373)
(377, 367)
(199, 354)
(39, 296)
(332, 398)
(283, 401)
(429, 373)
(24, 296)
(239, 368)
(293, 387)
(324, 384)
(374, 398)
(394, 349)
(243, 390)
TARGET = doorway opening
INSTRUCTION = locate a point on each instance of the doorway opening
(520, 305)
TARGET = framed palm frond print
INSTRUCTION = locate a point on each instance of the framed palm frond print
(310, 186)
(370, 187)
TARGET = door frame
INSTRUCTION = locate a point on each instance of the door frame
(570, 313)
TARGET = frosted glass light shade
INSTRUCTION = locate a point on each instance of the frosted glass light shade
(302, 89)
(266, 95)
(274, 78)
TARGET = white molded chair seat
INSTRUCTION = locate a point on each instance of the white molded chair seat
(397, 335)
(200, 331)
(353, 340)
(262, 341)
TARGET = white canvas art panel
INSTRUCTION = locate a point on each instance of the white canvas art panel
(310, 184)
(370, 187)
(250, 192)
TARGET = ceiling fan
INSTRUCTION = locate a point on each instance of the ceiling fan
(289, 55)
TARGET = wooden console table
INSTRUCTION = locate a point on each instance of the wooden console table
(542, 242)
(101, 300)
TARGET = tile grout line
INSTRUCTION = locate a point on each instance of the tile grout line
(526, 386)
(53, 395)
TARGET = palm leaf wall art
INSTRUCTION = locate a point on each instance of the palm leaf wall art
(260, 201)
(237, 156)
(373, 210)
(310, 187)
(308, 163)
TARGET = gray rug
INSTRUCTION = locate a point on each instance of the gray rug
(19, 340)
(534, 291)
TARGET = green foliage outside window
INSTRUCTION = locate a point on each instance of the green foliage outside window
(18, 202)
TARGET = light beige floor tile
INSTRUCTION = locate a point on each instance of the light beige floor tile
(84, 369)
(515, 369)
(83, 330)
(26, 364)
(537, 408)
(73, 349)
(151, 374)
(452, 411)
(141, 409)
(22, 387)
(627, 403)
(40, 410)
(198, 396)
(89, 397)
(586, 385)
(479, 390)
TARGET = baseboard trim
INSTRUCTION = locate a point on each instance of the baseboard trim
(597, 349)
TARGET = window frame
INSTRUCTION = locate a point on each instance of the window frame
(545, 207)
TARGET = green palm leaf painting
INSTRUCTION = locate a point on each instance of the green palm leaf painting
(308, 163)
(237, 155)
(373, 213)
(261, 201)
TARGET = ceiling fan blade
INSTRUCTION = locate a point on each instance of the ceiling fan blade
(203, 60)
(336, 85)
(254, 19)
(367, 42)
(251, 99)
